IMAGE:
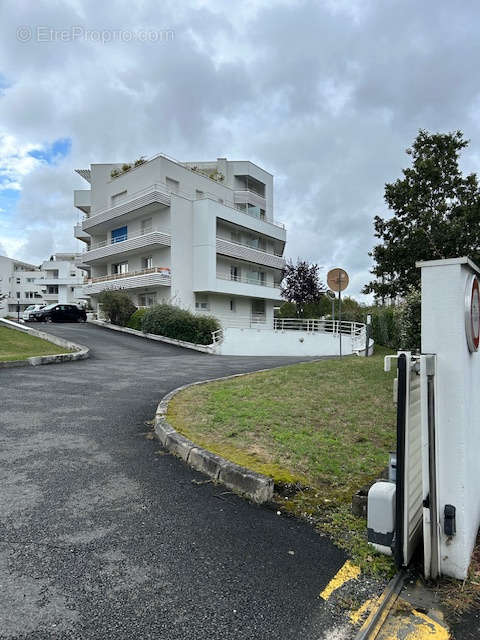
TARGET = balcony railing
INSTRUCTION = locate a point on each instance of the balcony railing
(113, 241)
(249, 246)
(245, 280)
(129, 274)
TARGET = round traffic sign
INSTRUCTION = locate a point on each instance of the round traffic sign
(337, 279)
(472, 313)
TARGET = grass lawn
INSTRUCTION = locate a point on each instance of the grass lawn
(322, 430)
(16, 345)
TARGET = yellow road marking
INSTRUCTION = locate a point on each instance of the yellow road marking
(348, 572)
(412, 625)
(361, 612)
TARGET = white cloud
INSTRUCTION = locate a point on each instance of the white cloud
(326, 95)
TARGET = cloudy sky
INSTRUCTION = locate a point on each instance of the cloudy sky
(325, 94)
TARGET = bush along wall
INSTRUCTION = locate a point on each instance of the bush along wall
(135, 321)
(117, 307)
(179, 324)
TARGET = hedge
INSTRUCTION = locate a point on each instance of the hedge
(135, 321)
(117, 307)
(179, 324)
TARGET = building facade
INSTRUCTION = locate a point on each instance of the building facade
(18, 286)
(198, 235)
(61, 279)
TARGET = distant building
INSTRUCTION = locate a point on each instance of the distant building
(60, 279)
(18, 285)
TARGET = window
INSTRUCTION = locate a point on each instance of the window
(120, 267)
(118, 197)
(72, 289)
(257, 277)
(72, 274)
(201, 303)
(258, 308)
(30, 279)
(234, 272)
(52, 289)
(18, 295)
(146, 226)
(236, 236)
(148, 299)
(147, 262)
(173, 185)
(199, 194)
(120, 234)
(18, 280)
(233, 306)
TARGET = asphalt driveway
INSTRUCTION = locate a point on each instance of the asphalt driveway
(103, 535)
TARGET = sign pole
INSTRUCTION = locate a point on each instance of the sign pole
(340, 317)
(337, 280)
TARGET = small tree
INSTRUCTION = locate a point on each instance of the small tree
(117, 306)
(301, 285)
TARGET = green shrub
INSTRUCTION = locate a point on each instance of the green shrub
(179, 324)
(409, 321)
(135, 321)
(117, 307)
(398, 326)
(385, 329)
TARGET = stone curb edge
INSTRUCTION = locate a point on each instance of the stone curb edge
(81, 352)
(151, 336)
(248, 483)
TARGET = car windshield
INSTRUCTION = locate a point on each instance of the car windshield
(30, 307)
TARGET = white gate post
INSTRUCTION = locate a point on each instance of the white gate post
(457, 408)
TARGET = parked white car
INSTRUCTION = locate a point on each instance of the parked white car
(28, 313)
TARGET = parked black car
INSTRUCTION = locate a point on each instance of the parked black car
(60, 313)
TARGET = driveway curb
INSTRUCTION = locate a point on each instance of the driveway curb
(81, 352)
(210, 349)
(242, 480)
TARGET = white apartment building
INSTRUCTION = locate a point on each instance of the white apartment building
(61, 280)
(18, 286)
(198, 235)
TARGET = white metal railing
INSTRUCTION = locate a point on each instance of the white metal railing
(248, 246)
(315, 324)
(354, 330)
(260, 283)
(247, 190)
(217, 336)
(129, 274)
(107, 243)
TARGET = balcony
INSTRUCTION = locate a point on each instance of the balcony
(146, 199)
(43, 282)
(250, 287)
(80, 234)
(82, 199)
(153, 277)
(244, 196)
(105, 249)
(244, 252)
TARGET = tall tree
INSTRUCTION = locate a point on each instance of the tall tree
(301, 284)
(436, 214)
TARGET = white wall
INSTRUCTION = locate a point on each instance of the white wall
(261, 342)
(457, 406)
(181, 252)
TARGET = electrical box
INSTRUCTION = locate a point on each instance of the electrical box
(381, 516)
